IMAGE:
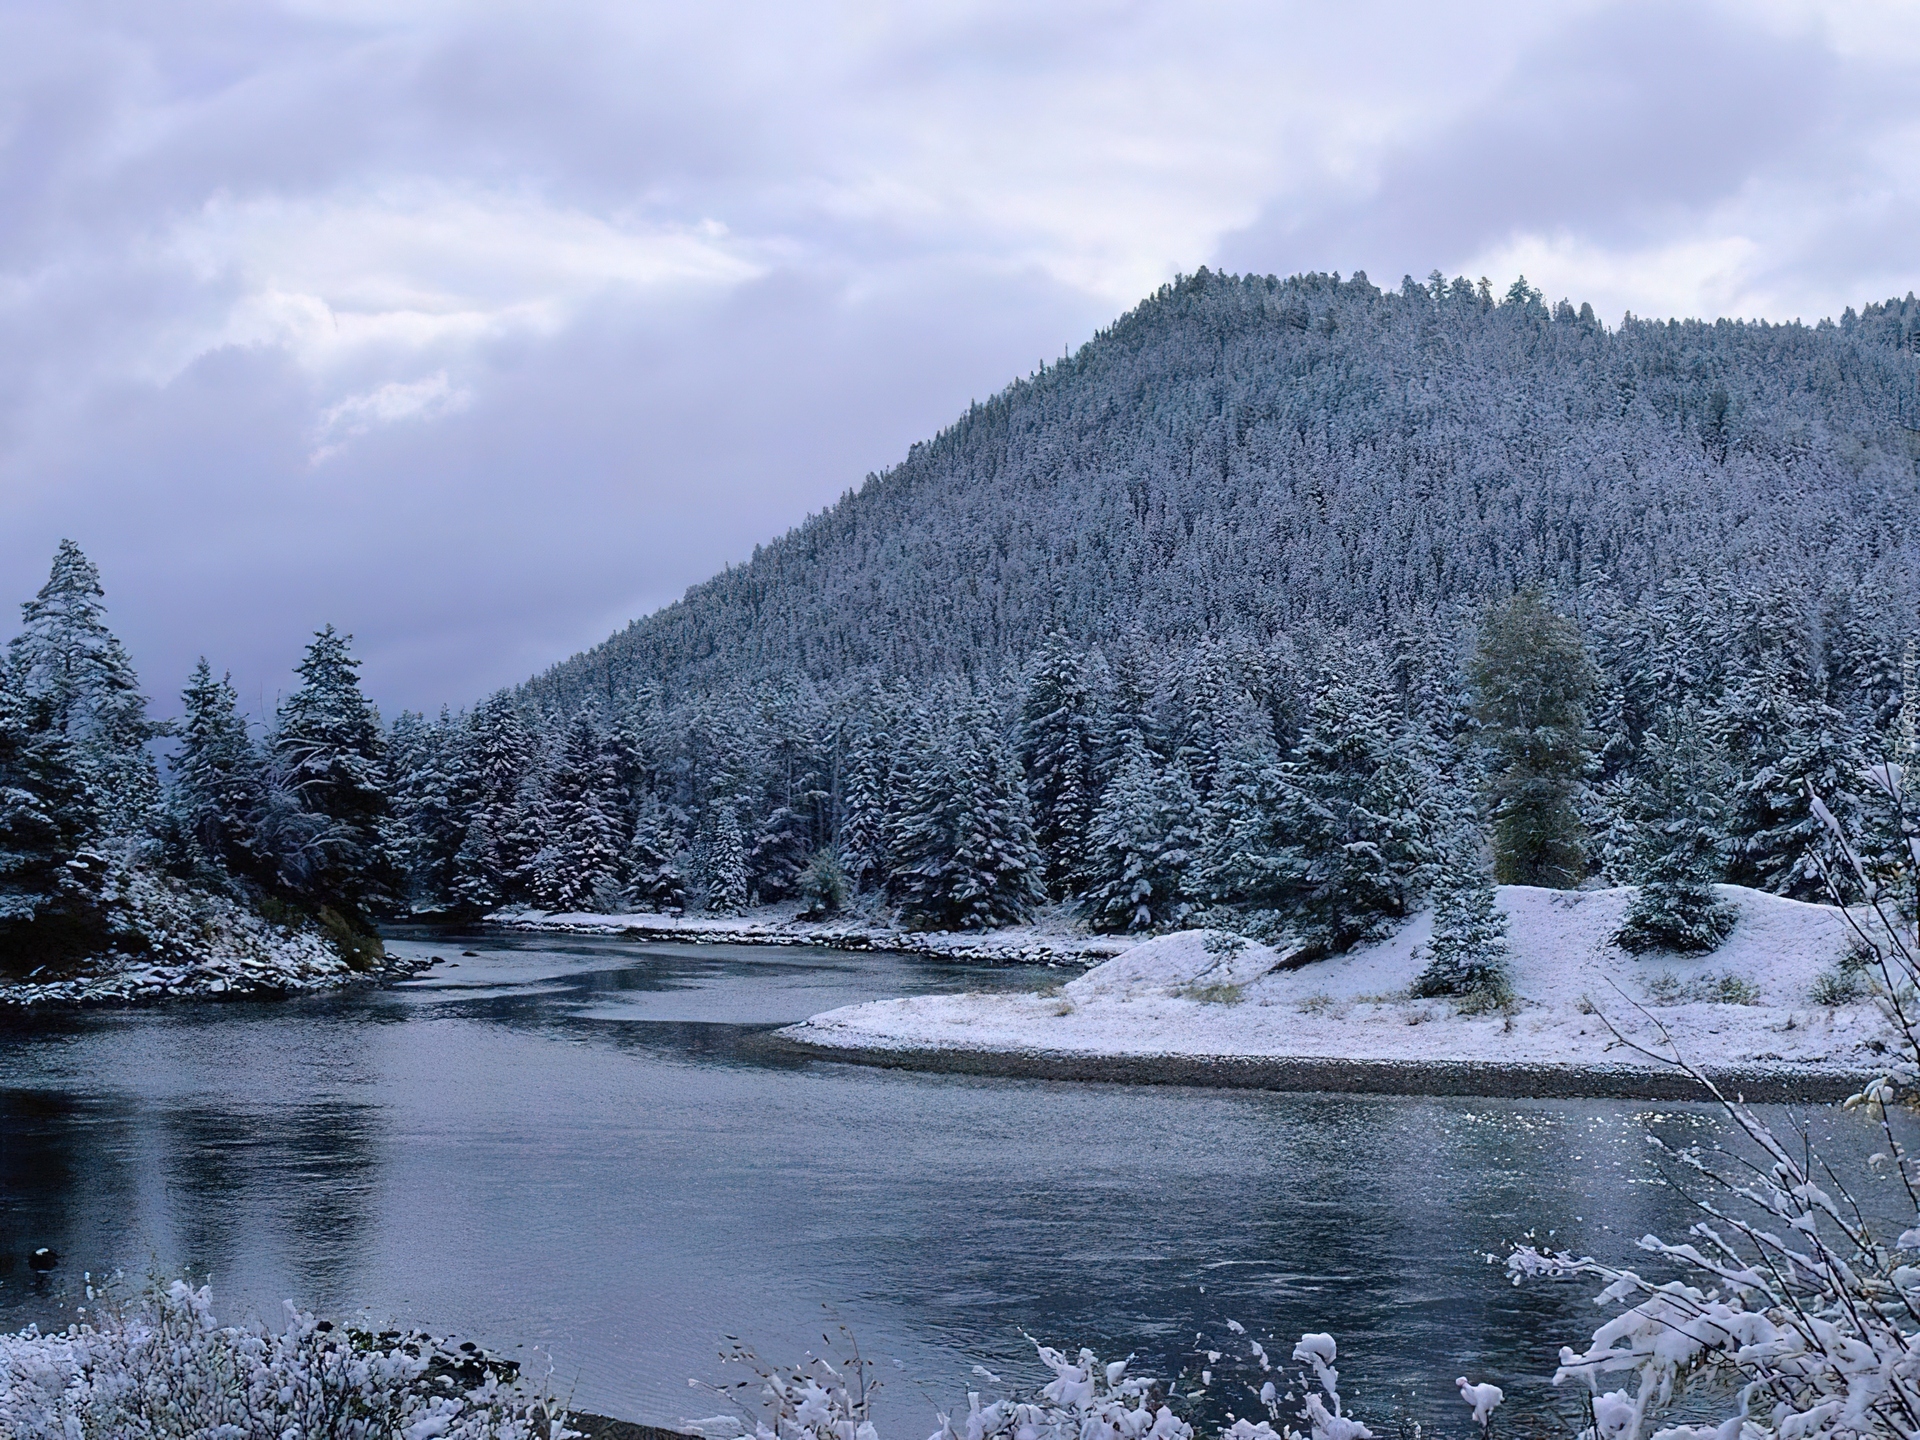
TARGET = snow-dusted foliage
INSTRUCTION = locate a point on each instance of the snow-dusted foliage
(257, 862)
(1468, 951)
(1300, 546)
(1785, 1290)
(1086, 1399)
(161, 1367)
(1679, 842)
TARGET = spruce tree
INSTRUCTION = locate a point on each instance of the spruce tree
(965, 852)
(1057, 750)
(495, 754)
(82, 685)
(1531, 679)
(581, 866)
(778, 854)
(476, 886)
(219, 779)
(1467, 956)
(861, 836)
(725, 863)
(50, 876)
(1145, 841)
(1678, 810)
(1783, 738)
(329, 752)
(652, 875)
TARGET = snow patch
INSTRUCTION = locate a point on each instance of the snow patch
(1176, 996)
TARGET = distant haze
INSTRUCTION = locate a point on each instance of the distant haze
(478, 330)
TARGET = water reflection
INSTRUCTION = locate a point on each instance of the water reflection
(586, 1145)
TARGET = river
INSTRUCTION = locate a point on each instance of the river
(584, 1149)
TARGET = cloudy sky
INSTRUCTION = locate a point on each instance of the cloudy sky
(479, 329)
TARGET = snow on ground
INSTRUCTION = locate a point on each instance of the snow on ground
(1181, 994)
(1048, 942)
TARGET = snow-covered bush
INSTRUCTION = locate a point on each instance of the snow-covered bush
(1087, 1399)
(159, 1365)
(1784, 1288)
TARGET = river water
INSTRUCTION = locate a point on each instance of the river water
(586, 1149)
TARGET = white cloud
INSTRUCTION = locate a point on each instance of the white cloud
(425, 399)
(414, 267)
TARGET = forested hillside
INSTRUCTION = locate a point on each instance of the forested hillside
(1251, 458)
(1286, 603)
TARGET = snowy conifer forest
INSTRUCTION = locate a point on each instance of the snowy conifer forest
(1286, 606)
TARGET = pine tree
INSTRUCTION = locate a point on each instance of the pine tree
(476, 889)
(1334, 840)
(582, 857)
(1782, 738)
(823, 885)
(50, 876)
(428, 784)
(1679, 811)
(966, 857)
(83, 685)
(219, 780)
(494, 757)
(1531, 680)
(329, 752)
(653, 877)
(1145, 840)
(726, 862)
(1467, 956)
(861, 837)
(778, 854)
(1057, 750)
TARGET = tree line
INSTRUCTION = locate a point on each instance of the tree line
(294, 821)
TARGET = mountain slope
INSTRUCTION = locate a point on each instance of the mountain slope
(1251, 456)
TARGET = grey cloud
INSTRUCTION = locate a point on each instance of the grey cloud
(596, 476)
(1606, 130)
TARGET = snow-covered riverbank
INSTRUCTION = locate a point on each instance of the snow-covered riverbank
(1746, 1007)
(777, 925)
(185, 944)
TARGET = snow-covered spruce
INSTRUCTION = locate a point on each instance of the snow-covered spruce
(161, 1366)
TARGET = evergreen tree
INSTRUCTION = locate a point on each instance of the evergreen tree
(428, 786)
(329, 752)
(1531, 679)
(496, 753)
(777, 856)
(725, 863)
(861, 836)
(50, 906)
(219, 780)
(581, 860)
(1783, 738)
(966, 857)
(1145, 840)
(1679, 811)
(1057, 750)
(1467, 956)
(1335, 840)
(653, 877)
(476, 889)
(823, 885)
(82, 685)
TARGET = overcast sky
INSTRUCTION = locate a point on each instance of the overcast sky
(478, 330)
